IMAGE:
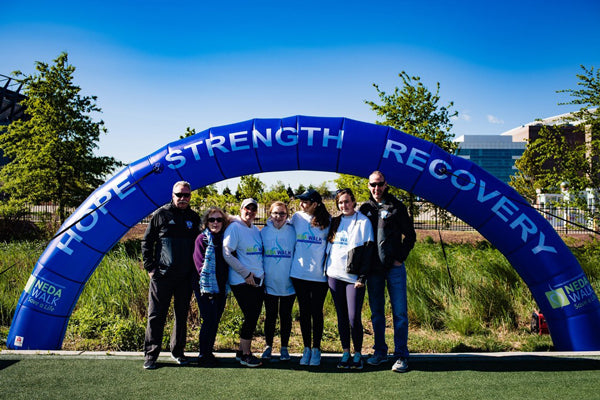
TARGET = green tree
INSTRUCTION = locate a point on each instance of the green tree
(323, 189)
(52, 152)
(250, 186)
(300, 189)
(415, 110)
(277, 192)
(555, 156)
(188, 132)
(588, 116)
(358, 185)
(551, 159)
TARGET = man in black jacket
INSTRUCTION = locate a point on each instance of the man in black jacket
(167, 251)
(395, 237)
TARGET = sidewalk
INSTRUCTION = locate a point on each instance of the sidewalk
(165, 356)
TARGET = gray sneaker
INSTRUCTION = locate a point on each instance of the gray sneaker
(401, 365)
(377, 359)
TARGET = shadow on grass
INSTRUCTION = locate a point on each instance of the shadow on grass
(432, 363)
(7, 363)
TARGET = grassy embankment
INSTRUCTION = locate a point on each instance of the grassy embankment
(488, 309)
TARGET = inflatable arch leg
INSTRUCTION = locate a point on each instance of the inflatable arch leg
(531, 245)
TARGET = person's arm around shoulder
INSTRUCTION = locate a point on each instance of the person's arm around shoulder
(230, 241)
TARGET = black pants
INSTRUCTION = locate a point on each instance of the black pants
(250, 300)
(211, 309)
(311, 297)
(160, 292)
(282, 305)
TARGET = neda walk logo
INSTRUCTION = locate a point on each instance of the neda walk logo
(43, 293)
(577, 292)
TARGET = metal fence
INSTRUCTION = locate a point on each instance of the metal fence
(563, 219)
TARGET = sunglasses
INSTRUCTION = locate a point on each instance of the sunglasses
(219, 219)
(379, 184)
(251, 208)
(180, 195)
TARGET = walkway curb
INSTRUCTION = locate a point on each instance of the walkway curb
(165, 355)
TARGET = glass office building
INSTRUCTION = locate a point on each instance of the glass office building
(494, 153)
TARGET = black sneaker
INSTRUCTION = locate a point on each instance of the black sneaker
(149, 364)
(208, 361)
(250, 361)
(238, 355)
(181, 360)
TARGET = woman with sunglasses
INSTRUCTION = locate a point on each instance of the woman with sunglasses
(308, 276)
(211, 281)
(243, 250)
(349, 251)
(279, 239)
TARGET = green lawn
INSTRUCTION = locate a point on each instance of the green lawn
(509, 377)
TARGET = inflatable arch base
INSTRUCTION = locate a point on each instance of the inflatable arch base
(501, 215)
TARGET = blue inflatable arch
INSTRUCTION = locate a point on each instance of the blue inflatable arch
(527, 240)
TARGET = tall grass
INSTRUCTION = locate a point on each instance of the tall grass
(483, 306)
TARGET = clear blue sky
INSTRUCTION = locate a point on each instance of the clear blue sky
(158, 67)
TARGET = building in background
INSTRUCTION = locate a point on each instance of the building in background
(494, 153)
(10, 107)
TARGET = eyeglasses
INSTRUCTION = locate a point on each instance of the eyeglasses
(251, 208)
(180, 195)
(373, 184)
(279, 214)
(219, 219)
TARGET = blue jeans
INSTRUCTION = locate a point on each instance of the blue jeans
(396, 286)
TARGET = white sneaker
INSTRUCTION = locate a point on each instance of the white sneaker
(315, 357)
(266, 355)
(401, 365)
(305, 360)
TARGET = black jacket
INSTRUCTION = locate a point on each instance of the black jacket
(359, 257)
(168, 245)
(394, 231)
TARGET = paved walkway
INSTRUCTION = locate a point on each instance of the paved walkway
(166, 356)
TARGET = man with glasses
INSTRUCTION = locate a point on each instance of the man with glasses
(395, 237)
(167, 251)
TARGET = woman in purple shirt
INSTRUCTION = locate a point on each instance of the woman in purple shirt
(210, 283)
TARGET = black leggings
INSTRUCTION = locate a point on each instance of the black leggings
(283, 305)
(250, 300)
(311, 297)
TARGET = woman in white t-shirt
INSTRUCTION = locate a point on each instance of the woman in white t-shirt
(242, 250)
(349, 252)
(307, 273)
(279, 239)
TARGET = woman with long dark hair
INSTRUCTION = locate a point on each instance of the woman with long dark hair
(307, 272)
(349, 253)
